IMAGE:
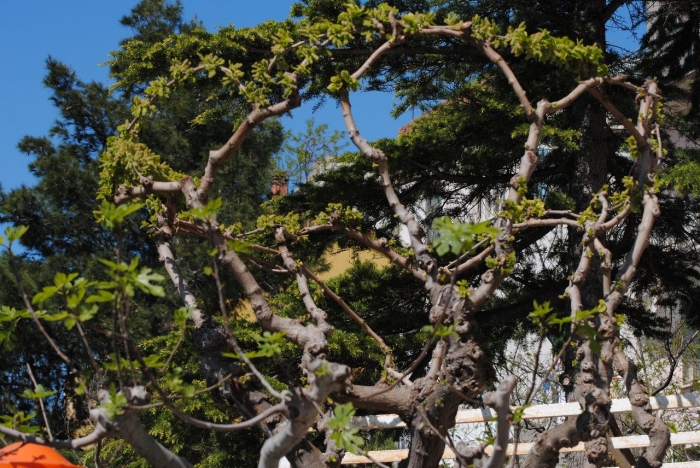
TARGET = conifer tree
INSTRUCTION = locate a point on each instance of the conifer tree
(64, 235)
(515, 146)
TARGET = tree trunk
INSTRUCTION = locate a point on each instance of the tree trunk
(439, 404)
(575, 459)
(588, 175)
(306, 455)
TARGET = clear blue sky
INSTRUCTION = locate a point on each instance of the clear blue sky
(81, 33)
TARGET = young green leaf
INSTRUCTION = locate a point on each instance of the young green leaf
(457, 237)
(38, 393)
(346, 438)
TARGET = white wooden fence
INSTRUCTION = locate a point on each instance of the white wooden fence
(471, 416)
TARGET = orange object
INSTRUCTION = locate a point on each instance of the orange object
(20, 455)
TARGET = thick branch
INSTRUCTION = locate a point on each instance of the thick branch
(126, 194)
(373, 58)
(474, 455)
(536, 222)
(382, 246)
(629, 126)
(318, 314)
(303, 409)
(615, 220)
(219, 157)
(629, 267)
(99, 433)
(395, 400)
(659, 434)
(545, 451)
(415, 231)
(499, 401)
(475, 260)
(496, 58)
(128, 426)
(574, 94)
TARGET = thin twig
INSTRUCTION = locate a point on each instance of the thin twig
(536, 367)
(172, 353)
(178, 397)
(41, 400)
(95, 367)
(28, 305)
(363, 324)
(364, 453)
(554, 364)
(414, 365)
(466, 255)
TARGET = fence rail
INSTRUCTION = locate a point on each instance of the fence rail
(471, 416)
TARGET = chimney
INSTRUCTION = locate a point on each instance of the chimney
(280, 185)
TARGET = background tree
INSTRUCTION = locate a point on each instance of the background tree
(455, 154)
(308, 152)
(64, 235)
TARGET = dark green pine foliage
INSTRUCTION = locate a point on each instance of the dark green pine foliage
(671, 52)
(153, 20)
(472, 115)
(672, 55)
(65, 164)
(63, 236)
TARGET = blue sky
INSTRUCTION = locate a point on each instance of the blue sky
(81, 33)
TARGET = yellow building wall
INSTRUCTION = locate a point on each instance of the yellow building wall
(338, 260)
